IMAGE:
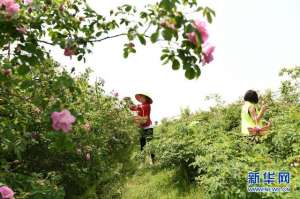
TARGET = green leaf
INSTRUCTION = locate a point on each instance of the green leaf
(175, 64)
(79, 58)
(199, 9)
(198, 71)
(190, 73)
(209, 17)
(142, 39)
(167, 34)
(23, 70)
(125, 53)
(64, 81)
(143, 15)
(27, 84)
(164, 56)
(98, 34)
(154, 37)
(132, 50)
(128, 8)
(167, 4)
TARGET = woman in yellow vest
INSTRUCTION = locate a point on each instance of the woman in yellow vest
(251, 117)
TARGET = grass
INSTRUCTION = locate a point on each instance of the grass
(151, 183)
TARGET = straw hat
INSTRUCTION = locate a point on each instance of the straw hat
(139, 95)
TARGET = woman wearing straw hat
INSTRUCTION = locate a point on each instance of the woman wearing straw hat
(143, 119)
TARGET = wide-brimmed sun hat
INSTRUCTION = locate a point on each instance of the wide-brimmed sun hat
(139, 95)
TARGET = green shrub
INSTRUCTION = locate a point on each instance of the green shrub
(40, 162)
(207, 147)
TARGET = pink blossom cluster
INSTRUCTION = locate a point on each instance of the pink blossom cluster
(27, 2)
(114, 93)
(201, 27)
(6, 192)
(88, 156)
(168, 24)
(22, 30)
(87, 127)
(62, 121)
(11, 7)
(207, 48)
(69, 52)
(7, 72)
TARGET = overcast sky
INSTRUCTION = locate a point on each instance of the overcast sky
(253, 39)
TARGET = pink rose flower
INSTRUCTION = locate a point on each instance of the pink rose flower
(201, 27)
(4, 2)
(30, 10)
(87, 127)
(69, 52)
(11, 7)
(22, 30)
(114, 93)
(208, 53)
(192, 37)
(36, 110)
(7, 72)
(88, 156)
(167, 24)
(27, 2)
(6, 192)
(62, 120)
(78, 151)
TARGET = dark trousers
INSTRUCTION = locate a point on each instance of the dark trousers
(146, 135)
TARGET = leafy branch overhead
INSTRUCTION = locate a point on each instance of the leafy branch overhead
(26, 26)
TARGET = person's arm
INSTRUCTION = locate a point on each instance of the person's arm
(262, 112)
(253, 114)
(256, 118)
(133, 107)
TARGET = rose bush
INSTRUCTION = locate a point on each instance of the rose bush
(40, 160)
(60, 136)
(207, 147)
(27, 26)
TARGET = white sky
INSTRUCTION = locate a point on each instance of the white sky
(253, 39)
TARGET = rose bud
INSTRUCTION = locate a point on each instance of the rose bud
(131, 45)
(45, 8)
(7, 72)
(69, 52)
(88, 156)
(61, 8)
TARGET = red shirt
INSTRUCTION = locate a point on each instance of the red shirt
(143, 110)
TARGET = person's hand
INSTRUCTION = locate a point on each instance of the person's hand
(264, 108)
(128, 100)
(140, 120)
(132, 106)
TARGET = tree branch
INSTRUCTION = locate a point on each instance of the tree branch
(96, 40)
(8, 51)
(109, 37)
(46, 42)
